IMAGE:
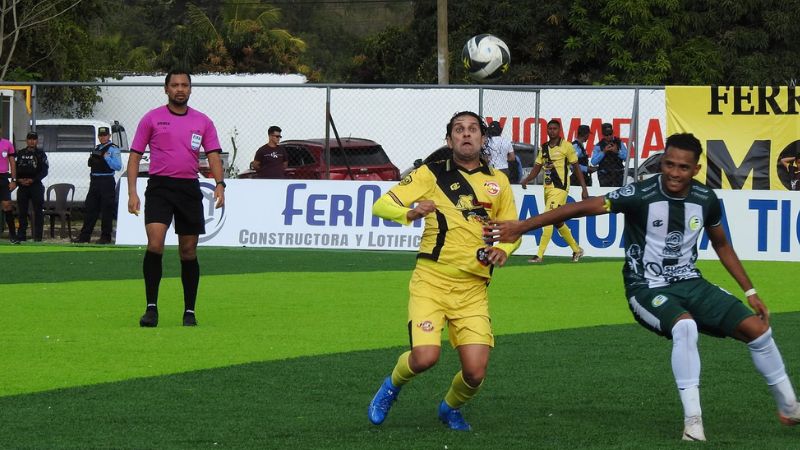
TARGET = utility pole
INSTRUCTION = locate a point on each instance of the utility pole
(443, 62)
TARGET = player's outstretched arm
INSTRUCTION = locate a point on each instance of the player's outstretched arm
(730, 260)
(387, 208)
(510, 231)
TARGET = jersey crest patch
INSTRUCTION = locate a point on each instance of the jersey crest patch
(492, 188)
(659, 300)
(695, 223)
(426, 326)
(196, 140)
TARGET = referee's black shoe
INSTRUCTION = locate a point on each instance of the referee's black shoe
(189, 320)
(149, 319)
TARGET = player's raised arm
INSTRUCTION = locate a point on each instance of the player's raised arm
(510, 231)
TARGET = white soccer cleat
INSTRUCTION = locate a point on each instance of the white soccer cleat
(693, 429)
(790, 419)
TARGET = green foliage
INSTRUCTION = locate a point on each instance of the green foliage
(242, 39)
(650, 42)
(59, 48)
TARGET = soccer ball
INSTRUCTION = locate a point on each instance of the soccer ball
(486, 57)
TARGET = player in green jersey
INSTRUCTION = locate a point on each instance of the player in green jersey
(664, 217)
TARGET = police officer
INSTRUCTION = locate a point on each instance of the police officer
(579, 144)
(104, 161)
(32, 167)
(609, 157)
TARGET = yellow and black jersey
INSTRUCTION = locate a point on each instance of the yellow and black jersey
(465, 201)
(555, 161)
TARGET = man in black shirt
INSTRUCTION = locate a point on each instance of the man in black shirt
(32, 167)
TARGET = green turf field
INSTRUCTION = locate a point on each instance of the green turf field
(292, 345)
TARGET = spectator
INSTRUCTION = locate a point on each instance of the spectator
(579, 144)
(270, 159)
(500, 152)
(792, 166)
(175, 133)
(104, 161)
(32, 167)
(8, 182)
(609, 157)
(555, 155)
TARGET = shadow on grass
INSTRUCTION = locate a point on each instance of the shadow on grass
(598, 387)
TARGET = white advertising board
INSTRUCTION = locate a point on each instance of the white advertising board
(762, 225)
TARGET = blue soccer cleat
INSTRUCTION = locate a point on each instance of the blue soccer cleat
(452, 418)
(382, 402)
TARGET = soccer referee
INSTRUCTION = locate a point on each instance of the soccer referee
(175, 133)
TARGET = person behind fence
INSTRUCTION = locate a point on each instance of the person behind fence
(555, 156)
(32, 167)
(8, 182)
(609, 157)
(579, 144)
(664, 217)
(500, 152)
(175, 133)
(791, 163)
(101, 199)
(456, 196)
(270, 159)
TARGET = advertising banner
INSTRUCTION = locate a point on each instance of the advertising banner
(750, 135)
(762, 225)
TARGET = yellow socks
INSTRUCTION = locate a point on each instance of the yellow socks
(547, 234)
(402, 373)
(565, 233)
(460, 392)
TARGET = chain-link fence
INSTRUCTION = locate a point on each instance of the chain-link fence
(408, 121)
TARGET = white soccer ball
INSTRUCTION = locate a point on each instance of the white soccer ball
(486, 57)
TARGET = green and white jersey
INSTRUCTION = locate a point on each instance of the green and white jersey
(661, 232)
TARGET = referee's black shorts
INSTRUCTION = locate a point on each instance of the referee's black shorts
(179, 198)
(5, 194)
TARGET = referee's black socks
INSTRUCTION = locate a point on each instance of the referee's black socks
(152, 276)
(12, 232)
(190, 277)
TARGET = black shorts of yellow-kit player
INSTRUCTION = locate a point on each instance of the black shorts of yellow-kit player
(716, 311)
(458, 299)
(179, 198)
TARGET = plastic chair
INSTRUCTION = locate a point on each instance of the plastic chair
(60, 207)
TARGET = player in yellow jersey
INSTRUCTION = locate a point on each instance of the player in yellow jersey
(555, 156)
(456, 196)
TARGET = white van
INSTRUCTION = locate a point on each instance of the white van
(68, 143)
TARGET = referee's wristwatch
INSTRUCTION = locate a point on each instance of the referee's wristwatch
(222, 183)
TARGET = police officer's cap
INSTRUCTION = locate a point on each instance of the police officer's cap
(103, 130)
(32, 135)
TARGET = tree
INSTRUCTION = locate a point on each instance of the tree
(648, 42)
(243, 40)
(19, 17)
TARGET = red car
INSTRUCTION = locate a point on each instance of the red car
(358, 159)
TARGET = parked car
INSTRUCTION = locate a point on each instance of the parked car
(647, 168)
(357, 159)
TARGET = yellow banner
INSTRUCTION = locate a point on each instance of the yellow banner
(750, 135)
